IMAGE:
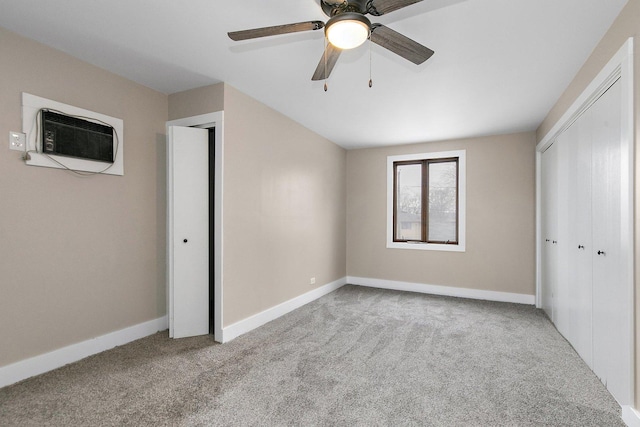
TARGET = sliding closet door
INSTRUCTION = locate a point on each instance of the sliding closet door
(582, 247)
(564, 302)
(611, 333)
(573, 292)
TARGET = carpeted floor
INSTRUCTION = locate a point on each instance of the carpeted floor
(356, 357)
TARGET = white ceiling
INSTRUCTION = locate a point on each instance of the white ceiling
(499, 65)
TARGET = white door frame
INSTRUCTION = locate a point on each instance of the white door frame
(619, 67)
(204, 120)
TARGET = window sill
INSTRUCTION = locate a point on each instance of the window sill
(426, 247)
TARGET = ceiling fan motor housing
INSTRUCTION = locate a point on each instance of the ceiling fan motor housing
(336, 7)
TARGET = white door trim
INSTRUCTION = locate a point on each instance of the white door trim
(213, 119)
(619, 67)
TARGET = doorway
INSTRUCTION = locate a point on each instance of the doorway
(212, 182)
(208, 291)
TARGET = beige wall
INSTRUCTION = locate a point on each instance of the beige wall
(500, 248)
(79, 257)
(202, 100)
(284, 203)
(626, 25)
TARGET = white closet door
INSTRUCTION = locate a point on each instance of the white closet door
(564, 309)
(582, 247)
(573, 295)
(611, 325)
(549, 228)
(189, 217)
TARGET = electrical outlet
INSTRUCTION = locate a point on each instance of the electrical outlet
(312, 281)
(17, 141)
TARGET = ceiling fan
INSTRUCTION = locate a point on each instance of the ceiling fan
(347, 28)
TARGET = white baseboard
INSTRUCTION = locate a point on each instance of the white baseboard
(37, 365)
(630, 416)
(250, 323)
(443, 290)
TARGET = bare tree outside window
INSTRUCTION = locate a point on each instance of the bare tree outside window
(443, 202)
(409, 196)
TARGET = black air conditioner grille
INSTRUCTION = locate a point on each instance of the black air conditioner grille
(73, 137)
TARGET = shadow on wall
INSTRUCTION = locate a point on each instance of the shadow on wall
(161, 227)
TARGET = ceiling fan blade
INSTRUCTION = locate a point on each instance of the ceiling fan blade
(331, 53)
(399, 44)
(275, 30)
(380, 7)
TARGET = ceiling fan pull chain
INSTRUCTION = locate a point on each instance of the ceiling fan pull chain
(325, 64)
(370, 78)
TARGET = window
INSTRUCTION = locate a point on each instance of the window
(426, 201)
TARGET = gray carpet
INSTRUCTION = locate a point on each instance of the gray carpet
(356, 357)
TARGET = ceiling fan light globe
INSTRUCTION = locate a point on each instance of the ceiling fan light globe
(348, 32)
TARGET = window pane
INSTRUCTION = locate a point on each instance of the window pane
(442, 202)
(409, 202)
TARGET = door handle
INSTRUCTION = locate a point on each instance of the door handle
(185, 240)
(601, 253)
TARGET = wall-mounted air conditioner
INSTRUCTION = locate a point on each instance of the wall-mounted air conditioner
(74, 137)
(64, 136)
